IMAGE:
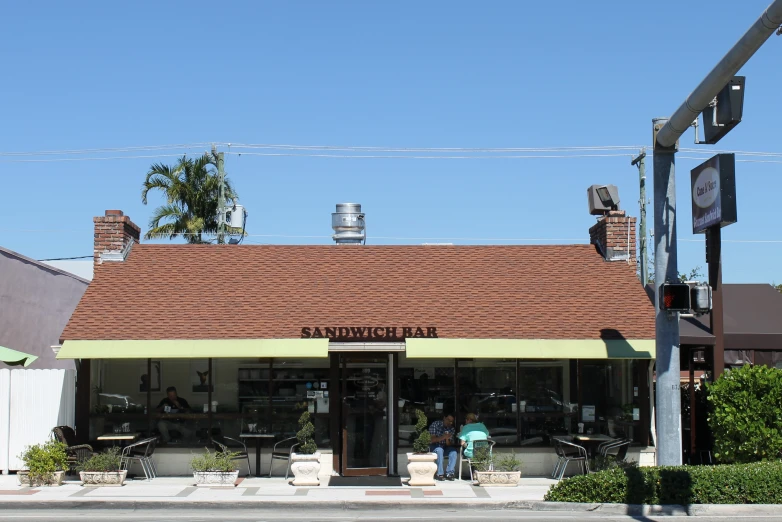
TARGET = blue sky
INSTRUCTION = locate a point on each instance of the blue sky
(88, 75)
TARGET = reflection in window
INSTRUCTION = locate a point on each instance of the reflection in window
(487, 387)
(425, 384)
(610, 404)
(544, 402)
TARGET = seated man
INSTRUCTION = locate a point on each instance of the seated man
(443, 440)
(172, 403)
(472, 431)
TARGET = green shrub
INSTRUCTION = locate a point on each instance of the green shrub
(42, 460)
(756, 483)
(484, 460)
(602, 463)
(746, 416)
(422, 436)
(107, 461)
(307, 444)
(218, 461)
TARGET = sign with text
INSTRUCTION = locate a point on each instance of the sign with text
(714, 193)
(368, 333)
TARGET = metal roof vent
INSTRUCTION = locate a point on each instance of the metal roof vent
(348, 224)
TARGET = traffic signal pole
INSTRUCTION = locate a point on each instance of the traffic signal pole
(668, 395)
(666, 136)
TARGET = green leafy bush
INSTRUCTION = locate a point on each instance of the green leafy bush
(756, 483)
(604, 462)
(422, 436)
(746, 414)
(218, 461)
(484, 460)
(42, 460)
(307, 444)
(107, 461)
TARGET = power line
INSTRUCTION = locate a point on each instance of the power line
(367, 152)
(67, 258)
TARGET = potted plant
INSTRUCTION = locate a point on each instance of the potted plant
(306, 461)
(103, 469)
(421, 463)
(46, 464)
(215, 469)
(496, 470)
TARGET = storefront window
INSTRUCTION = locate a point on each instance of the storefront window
(221, 397)
(160, 397)
(425, 384)
(300, 385)
(487, 387)
(609, 398)
(545, 404)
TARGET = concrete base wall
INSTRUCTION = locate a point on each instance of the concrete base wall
(536, 462)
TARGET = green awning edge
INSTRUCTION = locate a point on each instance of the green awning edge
(14, 358)
(530, 348)
(193, 348)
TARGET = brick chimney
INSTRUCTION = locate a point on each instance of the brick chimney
(614, 236)
(115, 234)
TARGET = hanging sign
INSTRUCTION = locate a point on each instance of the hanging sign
(714, 193)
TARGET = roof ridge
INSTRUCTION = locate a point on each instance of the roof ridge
(42, 265)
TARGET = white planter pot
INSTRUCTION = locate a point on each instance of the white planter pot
(103, 478)
(216, 479)
(497, 478)
(421, 467)
(305, 469)
(55, 480)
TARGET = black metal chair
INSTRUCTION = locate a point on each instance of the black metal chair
(283, 454)
(76, 452)
(568, 452)
(228, 444)
(620, 445)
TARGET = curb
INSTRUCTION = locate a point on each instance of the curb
(262, 504)
(382, 505)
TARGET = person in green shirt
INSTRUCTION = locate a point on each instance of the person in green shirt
(471, 432)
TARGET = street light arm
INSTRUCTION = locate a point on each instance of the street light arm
(731, 63)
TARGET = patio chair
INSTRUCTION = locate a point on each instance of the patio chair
(76, 452)
(283, 454)
(568, 452)
(140, 452)
(620, 445)
(226, 444)
(475, 445)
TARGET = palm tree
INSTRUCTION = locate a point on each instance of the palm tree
(191, 188)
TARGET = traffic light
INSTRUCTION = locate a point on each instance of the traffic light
(675, 297)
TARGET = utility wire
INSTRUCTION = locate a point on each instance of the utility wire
(67, 258)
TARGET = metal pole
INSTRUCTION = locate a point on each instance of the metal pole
(221, 200)
(719, 77)
(669, 430)
(641, 162)
(714, 259)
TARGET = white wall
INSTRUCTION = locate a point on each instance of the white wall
(32, 402)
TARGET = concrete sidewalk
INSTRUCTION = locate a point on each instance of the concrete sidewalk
(277, 494)
(267, 491)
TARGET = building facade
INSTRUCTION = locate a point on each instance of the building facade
(538, 341)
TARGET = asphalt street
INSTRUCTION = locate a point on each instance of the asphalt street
(400, 515)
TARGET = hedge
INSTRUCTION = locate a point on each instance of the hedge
(756, 483)
(745, 415)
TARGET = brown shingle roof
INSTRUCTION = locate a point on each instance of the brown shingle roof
(229, 291)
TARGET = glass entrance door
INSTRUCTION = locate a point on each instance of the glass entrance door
(365, 398)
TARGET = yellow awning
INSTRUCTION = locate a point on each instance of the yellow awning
(194, 349)
(530, 348)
